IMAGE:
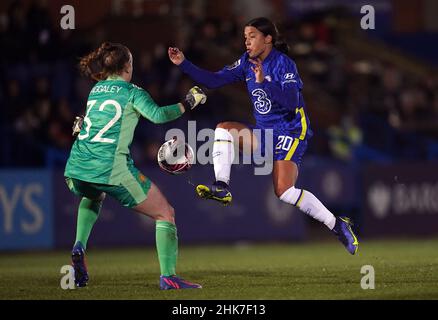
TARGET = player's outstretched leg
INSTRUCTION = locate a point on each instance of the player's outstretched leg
(79, 265)
(223, 157)
(309, 204)
(218, 191)
(345, 234)
(284, 181)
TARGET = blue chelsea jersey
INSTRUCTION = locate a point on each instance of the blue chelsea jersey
(278, 101)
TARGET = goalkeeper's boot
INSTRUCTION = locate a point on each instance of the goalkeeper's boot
(345, 234)
(217, 191)
(79, 265)
(173, 282)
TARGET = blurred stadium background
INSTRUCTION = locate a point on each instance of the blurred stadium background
(372, 98)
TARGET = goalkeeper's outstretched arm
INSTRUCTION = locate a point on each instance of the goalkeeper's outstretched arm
(146, 106)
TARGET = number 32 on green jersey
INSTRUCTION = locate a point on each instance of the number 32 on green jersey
(87, 121)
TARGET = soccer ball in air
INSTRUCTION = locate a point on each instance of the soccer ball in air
(175, 156)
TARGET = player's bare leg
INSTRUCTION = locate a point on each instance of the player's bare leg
(158, 208)
(285, 175)
(228, 137)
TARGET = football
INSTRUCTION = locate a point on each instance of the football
(175, 156)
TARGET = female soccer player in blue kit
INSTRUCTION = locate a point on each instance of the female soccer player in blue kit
(274, 86)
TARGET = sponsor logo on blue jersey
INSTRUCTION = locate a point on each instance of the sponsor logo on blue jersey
(262, 104)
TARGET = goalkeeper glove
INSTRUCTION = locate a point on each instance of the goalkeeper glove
(194, 97)
(77, 125)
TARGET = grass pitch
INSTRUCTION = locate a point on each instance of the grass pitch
(403, 270)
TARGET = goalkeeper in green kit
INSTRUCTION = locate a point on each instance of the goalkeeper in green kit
(100, 163)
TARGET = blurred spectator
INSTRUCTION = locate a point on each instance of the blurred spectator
(60, 124)
(345, 138)
(250, 9)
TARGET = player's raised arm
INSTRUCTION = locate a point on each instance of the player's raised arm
(211, 80)
(146, 106)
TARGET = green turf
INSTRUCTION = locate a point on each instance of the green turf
(404, 270)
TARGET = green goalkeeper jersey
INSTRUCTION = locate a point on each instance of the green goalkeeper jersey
(101, 153)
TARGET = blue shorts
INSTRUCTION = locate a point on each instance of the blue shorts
(279, 144)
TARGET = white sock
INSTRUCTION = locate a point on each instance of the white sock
(223, 154)
(309, 204)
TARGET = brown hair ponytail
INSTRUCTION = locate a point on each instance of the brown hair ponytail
(108, 59)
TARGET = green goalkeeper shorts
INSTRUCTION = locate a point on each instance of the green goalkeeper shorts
(131, 192)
